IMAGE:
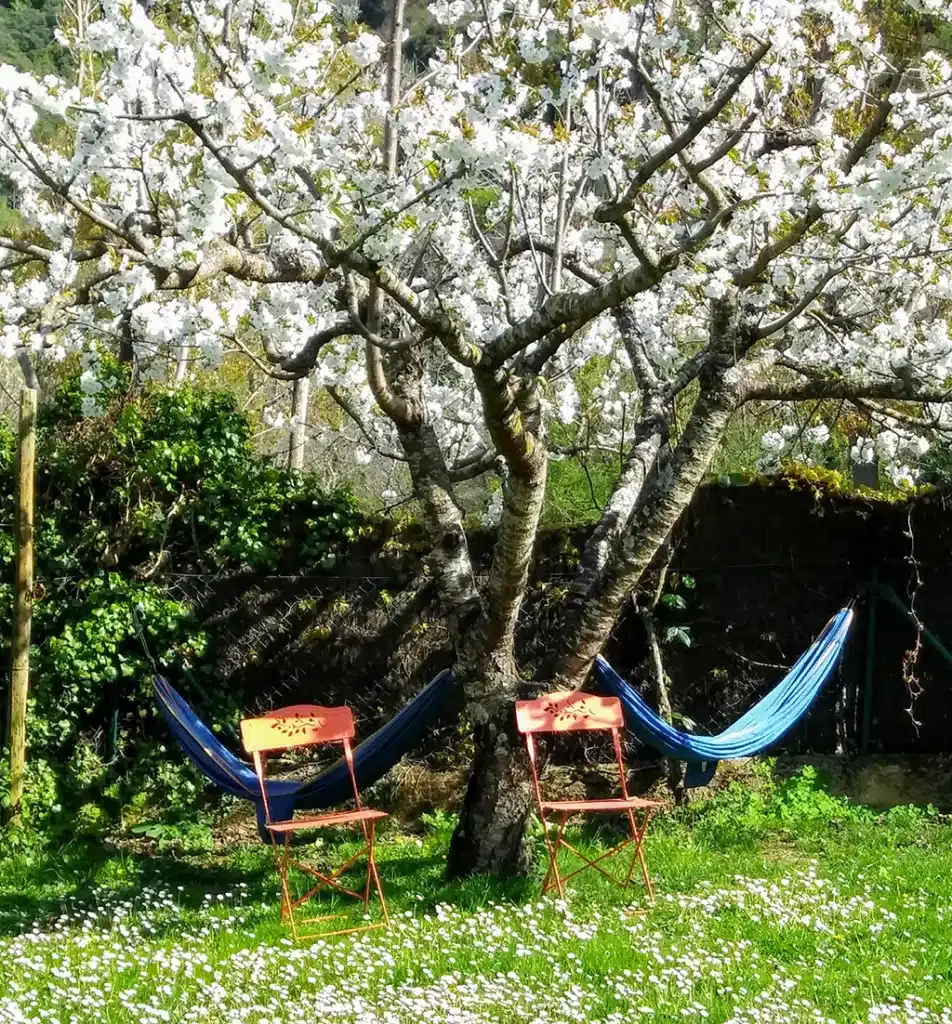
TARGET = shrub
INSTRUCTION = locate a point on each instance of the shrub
(162, 481)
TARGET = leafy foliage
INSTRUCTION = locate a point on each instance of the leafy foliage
(164, 481)
(800, 806)
(27, 37)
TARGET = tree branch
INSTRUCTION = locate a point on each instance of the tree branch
(737, 76)
(577, 267)
(780, 245)
(571, 308)
(344, 403)
(474, 465)
(812, 293)
(830, 386)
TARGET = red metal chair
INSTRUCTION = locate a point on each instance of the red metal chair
(308, 725)
(574, 711)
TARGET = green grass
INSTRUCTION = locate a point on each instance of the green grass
(782, 908)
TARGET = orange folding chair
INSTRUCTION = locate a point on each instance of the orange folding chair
(574, 711)
(308, 725)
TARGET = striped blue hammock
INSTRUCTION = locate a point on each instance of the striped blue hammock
(373, 757)
(757, 730)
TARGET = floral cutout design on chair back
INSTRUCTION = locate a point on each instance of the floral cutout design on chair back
(300, 725)
(569, 711)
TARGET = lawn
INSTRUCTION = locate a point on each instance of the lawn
(786, 910)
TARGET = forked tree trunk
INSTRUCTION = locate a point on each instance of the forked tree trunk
(490, 834)
(662, 504)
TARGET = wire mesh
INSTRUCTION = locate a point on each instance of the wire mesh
(766, 569)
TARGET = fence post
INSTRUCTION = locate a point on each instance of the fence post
(23, 603)
(871, 602)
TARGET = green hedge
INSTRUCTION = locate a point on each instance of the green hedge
(164, 482)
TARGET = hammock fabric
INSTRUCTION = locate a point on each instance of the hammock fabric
(373, 757)
(762, 726)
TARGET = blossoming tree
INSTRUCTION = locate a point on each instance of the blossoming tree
(698, 205)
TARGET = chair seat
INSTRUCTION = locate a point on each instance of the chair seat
(616, 804)
(326, 820)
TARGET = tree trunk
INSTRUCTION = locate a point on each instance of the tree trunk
(448, 559)
(181, 361)
(662, 504)
(298, 438)
(649, 446)
(30, 378)
(23, 605)
(490, 835)
(523, 497)
(651, 437)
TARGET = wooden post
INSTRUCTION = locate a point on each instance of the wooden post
(23, 603)
(297, 440)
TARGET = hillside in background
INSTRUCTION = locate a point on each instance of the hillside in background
(27, 30)
(26, 36)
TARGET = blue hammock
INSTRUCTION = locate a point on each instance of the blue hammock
(373, 757)
(762, 726)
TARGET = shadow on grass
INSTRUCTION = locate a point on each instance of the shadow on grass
(38, 887)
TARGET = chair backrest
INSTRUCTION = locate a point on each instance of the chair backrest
(570, 711)
(300, 725)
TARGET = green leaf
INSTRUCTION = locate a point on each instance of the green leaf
(679, 634)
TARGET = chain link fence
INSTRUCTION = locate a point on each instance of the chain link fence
(757, 572)
(363, 641)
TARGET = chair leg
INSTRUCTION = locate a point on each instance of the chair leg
(287, 904)
(553, 848)
(331, 880)
(369, 843)
(372, 861)
(555, 879)
(638, 836)
(641, 856)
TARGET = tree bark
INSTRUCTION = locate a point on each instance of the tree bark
(514, 419)
(523, 497)
(649, 442)
(448, 558)
(23, 606)
(30, 378)
(297, 441)
(663, 502)
(674, 768)
(722, 379)
(651, 436)
(490, 834)
(181, 361)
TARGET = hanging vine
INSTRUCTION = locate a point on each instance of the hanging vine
(910, 659)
